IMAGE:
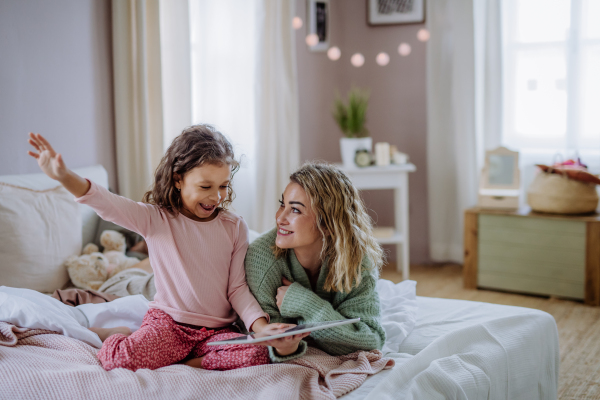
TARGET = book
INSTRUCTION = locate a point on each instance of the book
(303, 328)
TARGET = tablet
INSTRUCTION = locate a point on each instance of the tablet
(262, 337)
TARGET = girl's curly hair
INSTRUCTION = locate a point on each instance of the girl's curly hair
(197, 145)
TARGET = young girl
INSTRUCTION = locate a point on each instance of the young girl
(197, 251)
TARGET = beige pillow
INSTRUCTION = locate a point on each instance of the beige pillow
(39, 230)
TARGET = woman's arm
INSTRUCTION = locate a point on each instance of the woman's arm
(362, 302)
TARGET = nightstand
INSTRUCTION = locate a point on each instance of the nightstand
(529, 252)
(389, 177)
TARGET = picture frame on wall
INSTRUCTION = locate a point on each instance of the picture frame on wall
(318, 23)
(391, 12)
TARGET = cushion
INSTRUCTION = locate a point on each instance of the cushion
(41, 181)
(39, 230)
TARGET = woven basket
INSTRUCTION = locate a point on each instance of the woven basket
(557, 194)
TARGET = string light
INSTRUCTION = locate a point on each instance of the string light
(312, 39)
(382, 59)
(357, 60)
(423, 35)
(334, 53)
(404, 49)
(297, 23)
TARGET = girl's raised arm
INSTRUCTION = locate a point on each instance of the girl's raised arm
(52, 164)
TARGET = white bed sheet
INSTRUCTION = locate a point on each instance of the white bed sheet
(470, 350)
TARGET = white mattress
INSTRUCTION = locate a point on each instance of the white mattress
(469, 350)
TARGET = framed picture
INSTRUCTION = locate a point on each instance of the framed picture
(318, 23)
(388, 12)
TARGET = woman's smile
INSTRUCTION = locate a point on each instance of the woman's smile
(283, 232)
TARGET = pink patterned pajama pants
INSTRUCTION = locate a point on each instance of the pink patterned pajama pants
(161, 341)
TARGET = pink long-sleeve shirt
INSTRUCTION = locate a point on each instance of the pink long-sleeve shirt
(198, 266)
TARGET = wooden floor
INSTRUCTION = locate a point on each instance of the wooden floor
(578, 324)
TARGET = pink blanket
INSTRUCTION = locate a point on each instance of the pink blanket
(42, 364)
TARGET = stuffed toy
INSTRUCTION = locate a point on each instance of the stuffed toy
(92, 268)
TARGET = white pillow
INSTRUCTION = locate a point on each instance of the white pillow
(41, 181)
(39, 230)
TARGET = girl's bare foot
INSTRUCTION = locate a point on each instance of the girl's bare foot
(104, 333)
(195, 362)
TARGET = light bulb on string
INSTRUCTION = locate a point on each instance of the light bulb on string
(334, 53)
(297, 23)
(382, 59)
(423, 35)
(404, 49)
(312, 39)
(357, 60)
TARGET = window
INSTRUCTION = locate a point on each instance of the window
(551, 53)
(223, 48)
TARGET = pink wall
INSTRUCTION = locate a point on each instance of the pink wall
(397, 110)
(56, 79)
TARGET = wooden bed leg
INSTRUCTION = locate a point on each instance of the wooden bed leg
(592, 264)
(471, 239)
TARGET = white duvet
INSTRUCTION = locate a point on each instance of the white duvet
(470, 350)
(444, 349)
(32, 309)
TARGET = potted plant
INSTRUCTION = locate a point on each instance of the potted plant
(351, 118)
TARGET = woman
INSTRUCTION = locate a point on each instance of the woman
(319, 264)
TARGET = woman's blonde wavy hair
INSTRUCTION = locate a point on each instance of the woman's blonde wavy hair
(344, 223)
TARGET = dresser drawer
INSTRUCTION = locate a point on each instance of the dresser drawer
(533, 255)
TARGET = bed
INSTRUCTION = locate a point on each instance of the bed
(440, 349)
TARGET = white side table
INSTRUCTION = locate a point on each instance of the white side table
(389, 177)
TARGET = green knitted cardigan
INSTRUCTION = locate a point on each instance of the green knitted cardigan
(301, 305)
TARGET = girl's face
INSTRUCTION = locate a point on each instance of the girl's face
(296, 222)
(203, 189)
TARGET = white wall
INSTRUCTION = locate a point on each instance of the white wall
(56, 79)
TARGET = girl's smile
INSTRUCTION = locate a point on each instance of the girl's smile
(202, 190)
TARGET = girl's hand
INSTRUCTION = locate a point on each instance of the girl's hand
(286, 345)
(281, 291)
(53, 165)
(50, 162)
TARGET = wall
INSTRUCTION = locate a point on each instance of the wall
(397, 110)
(56, 79)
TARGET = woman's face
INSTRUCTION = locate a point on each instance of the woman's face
(296, 222)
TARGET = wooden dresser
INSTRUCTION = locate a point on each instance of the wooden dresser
(529, 252)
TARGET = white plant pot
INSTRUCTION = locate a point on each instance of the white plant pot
(349, 146)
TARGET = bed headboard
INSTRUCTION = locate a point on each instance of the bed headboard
(89, 218)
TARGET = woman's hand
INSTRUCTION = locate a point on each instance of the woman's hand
(281, 291)
(286, 345)
(50, 162)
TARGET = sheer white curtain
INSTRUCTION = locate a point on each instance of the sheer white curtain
(223, 37)
(277, 119)
(151, 69)
(451, 136)
(138, 94)
(244, 83)
(464, 94)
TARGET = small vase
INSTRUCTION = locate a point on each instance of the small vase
(349, 146)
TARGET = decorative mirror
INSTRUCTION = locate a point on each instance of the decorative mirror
(501, 170)
(500, 179)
